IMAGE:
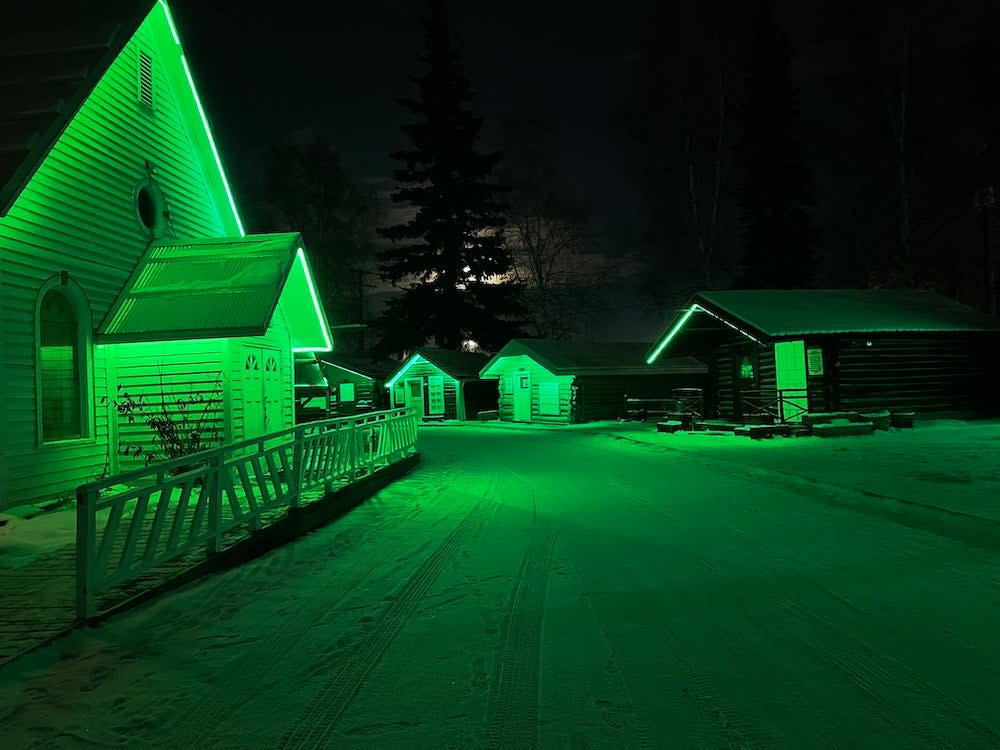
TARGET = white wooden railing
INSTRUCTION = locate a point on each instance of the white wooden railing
(130, 523)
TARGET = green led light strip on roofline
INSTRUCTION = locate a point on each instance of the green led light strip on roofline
(204, 120)
(301, 256)
(413, 360)
(682, 321)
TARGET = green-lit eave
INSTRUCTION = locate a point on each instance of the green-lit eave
(303, 310)
(410, 363)
(682, 320)
(199, 127)
(497, 366)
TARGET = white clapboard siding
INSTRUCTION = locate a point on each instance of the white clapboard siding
(162, 373)
(77, 214)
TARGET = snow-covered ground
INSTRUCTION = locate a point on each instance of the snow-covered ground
(558, 589)
(951, 465)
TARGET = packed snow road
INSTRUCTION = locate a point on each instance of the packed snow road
(545, 589)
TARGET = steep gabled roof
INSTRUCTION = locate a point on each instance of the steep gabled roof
(460, 365)
(52, 55)
(218, 287)
(591, 358)
(455, 364)
(774, 314)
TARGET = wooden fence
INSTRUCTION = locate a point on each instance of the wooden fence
(130, 523)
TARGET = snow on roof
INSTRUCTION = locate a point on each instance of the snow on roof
(360, 365)
(216, 287)
(52, 55)
(780, 313)
(593, 358)
(460, 365)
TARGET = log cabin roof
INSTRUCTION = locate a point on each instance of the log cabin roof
(782, 313)
(768, 315)
(52, 55)
(459, 365)
(592, 358)
(360, 365)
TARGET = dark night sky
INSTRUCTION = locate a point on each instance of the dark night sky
(266, 69)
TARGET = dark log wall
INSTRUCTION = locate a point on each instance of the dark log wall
(934, 376)
(603, 396)
(480, 395)
(725, 381)
(364, 390)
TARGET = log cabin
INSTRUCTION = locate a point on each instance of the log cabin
(443, 384)
(775, 355)
(565, 382)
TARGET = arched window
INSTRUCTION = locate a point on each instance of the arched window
(61, 367)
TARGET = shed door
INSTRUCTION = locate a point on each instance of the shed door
(253, 393)
(414, 396)
(522, 396)
(273, 392)
(435, 396)
(790, 375)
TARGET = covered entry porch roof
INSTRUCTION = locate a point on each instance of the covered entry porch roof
(218, 288)
(768, 315)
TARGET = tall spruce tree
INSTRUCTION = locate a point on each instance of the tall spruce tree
(449, 257)
(777, 187)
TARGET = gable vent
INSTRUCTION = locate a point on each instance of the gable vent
(145, 79)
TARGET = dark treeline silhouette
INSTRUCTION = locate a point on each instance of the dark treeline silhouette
(887, 111)
(300, 184)
(448, 256)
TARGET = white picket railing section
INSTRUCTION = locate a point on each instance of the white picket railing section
(173, 507)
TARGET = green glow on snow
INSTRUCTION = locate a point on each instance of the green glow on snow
(211, 143)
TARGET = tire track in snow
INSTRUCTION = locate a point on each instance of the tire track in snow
(891, 670)
(733, 728)
(225, 589)
(871, 670)
(642, 730)
(253, 665)
(318, 718)
(868, 669)
(512, 708)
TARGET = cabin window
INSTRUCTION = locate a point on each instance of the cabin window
(548, 399)
(747, 369)
(346, 392)
(61, 368)
(146, 79)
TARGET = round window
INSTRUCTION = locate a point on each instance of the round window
(147, 209)
(150, 207)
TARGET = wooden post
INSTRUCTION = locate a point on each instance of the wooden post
(298, 455)
(214, 487)
(85, 551)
